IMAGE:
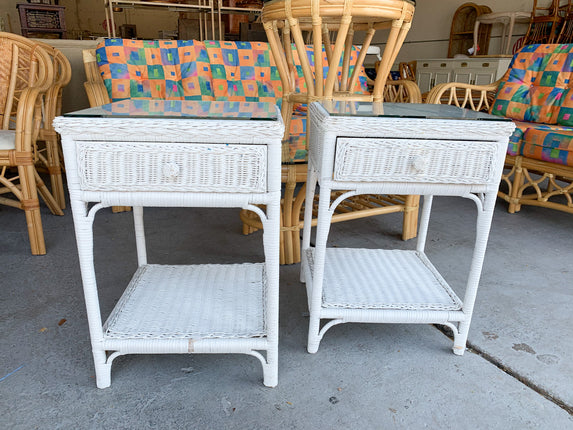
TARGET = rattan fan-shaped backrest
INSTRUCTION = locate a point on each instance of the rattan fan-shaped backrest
(22, 65)
(62, 77)
(26, 73)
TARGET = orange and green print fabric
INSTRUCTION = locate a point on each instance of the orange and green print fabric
(547, 145)
(243, 71)
(538, 86)
(247, 71)
(158, 69)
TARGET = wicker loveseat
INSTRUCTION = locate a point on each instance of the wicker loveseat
(233, 71)
(537, 94)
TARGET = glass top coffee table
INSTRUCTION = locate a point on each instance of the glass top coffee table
(366, 148)
(179, 154)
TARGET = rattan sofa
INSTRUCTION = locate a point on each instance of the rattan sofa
(536, 92)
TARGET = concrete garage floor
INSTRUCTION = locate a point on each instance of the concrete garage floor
(517, 374)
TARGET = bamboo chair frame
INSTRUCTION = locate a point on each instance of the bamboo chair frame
(284, 22)
(546, 22)
(51, 157)
(30, 74)
(566, 32)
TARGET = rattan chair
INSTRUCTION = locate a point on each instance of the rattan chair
(408, 70)
(566, 32)
(26, 72)
(332, 25)
(546, 22)
(51, 155)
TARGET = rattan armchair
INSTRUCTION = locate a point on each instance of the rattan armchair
(566, 32)
(546, 21)
(26, 72)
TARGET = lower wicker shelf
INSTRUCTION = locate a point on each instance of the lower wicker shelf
(359, 282)
(187, 305)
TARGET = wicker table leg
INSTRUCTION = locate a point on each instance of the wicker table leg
(291, 222)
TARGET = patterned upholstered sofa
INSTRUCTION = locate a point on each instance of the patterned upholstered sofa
(198, 70)
(536, 92)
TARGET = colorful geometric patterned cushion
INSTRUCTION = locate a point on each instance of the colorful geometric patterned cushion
(209, 70)
(548, 146)
(297, 138)
(247, 71)
(160, 69)
(536, 87)
(243, 71)
(516, 141)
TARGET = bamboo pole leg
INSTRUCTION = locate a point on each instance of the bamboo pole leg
(282, 239)
(297, 206)
(288, 202)
(514, 205)
(31, 206)
(46, 195)
(118, 209)
(410, 220)
(55, 170)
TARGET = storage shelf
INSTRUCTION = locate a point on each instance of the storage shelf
(191, 302)
(382, 279)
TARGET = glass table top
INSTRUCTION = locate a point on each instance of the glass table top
(182, 109)
(406, 110)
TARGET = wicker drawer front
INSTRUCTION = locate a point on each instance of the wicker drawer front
(121, 166)
(406, 160)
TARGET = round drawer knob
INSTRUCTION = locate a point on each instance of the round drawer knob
(171, 170)
(419, 163)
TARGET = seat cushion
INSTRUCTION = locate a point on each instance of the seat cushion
(548, 145)
(516, 140)
(537, 85)
(297, 138)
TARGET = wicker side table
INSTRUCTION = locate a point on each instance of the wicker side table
(403, 149)
(179, 154)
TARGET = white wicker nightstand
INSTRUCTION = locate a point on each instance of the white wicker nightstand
(183, 153)
(367, 148)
